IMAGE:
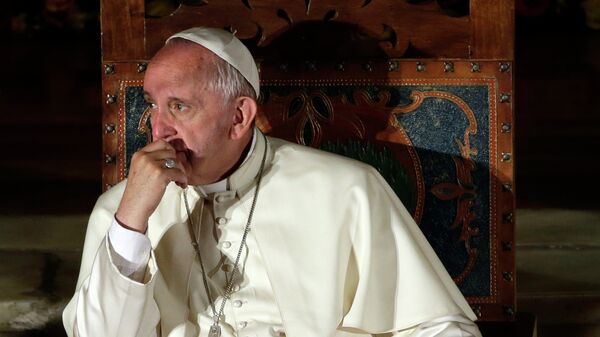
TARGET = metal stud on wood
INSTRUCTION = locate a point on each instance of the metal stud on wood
(448, 67)
(109, 159)
(109, 69)
(477, 310)
(510, 311)
(111, 99)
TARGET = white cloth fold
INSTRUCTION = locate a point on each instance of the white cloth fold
(130, 252)
(445, 326)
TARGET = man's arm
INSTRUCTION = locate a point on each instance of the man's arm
(109, 304)
(107, 301)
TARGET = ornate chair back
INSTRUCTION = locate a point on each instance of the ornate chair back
(421, 90)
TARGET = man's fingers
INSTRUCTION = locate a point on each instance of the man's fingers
(164, 157)
(176, 174)
(157, 145)
(164, 163)
(162, 154)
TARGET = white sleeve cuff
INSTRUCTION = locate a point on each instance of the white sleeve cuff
(130, 250)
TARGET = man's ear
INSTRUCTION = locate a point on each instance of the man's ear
(243, 116)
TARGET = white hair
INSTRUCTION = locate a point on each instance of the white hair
(229, 81)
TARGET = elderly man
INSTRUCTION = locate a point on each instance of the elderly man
(221, 231)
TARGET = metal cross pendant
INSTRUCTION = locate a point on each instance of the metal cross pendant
(215, 330)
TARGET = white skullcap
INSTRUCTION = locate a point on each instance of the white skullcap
(227, 47)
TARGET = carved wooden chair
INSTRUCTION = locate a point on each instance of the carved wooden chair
(421, 90)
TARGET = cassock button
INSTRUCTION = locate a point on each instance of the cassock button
(226, 244)
(276, 331)
(225, 196)
(242, 324)
(237, 303)
(221, 220)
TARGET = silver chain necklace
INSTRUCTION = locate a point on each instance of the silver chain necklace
(215, 329)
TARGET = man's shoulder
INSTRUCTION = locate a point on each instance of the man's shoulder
(293, 155)
(110, 199)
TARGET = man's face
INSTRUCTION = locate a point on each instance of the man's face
(192, 118)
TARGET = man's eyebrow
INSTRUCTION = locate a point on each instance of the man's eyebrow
(196, 101)
(148, 97)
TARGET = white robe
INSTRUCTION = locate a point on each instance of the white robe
(341, 252)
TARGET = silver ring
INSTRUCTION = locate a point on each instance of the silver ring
(169, 163)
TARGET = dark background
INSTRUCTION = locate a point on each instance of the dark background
(50, 106)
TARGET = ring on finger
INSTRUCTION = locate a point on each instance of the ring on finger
(169, 163)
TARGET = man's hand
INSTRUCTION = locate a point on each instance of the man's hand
(148, 178)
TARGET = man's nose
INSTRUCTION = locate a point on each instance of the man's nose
(162, 125)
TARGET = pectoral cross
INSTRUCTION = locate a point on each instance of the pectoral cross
(215, 330)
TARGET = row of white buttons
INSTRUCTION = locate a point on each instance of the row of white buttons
(227, 267)
(241, 324)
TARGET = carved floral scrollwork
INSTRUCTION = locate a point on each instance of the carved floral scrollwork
(397, 26)
(309, 112)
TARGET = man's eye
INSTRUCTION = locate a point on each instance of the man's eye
(179, 107)
(151, 105)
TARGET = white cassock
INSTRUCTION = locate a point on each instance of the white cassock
(332, 252)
